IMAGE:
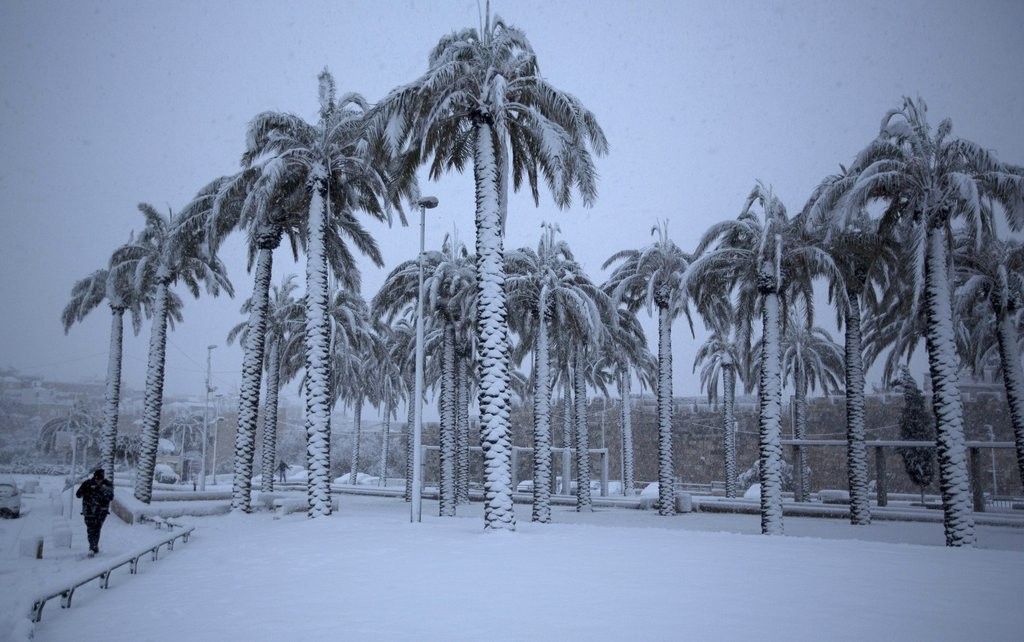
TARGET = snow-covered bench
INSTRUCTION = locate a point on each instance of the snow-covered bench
(66, 589)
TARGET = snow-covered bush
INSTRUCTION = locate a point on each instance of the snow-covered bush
(752, 476)
(165, 474)
(362, 479)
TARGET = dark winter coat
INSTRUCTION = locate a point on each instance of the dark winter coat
(96, 496)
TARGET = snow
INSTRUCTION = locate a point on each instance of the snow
(366, 572)
(362, 479)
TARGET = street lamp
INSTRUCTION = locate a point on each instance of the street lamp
(425, 203)
(206, 419)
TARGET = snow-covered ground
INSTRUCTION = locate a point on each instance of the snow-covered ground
(367, 573)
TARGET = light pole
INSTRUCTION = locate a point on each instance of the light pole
(206, 419)
(425, 203)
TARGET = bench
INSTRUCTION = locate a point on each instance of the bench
(66, 590)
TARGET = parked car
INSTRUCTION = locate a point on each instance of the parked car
(10, 498)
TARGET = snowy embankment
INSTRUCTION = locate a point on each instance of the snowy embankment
(367, 573)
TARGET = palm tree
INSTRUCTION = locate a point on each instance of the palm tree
(863, 254)
(930, 179)
(547, 288)
(283, 316)
(402, 347)
(767, 262)
(483, 98)
(466, 383)
(623, 355)
(653, 277)
(720, 356)
(169, 249)
(252, 201)
(390, 391)
(809, 358)
(332, 158)
(990, 274)
(114, 287)
(81, 422)
(355, 347)
(449, 282)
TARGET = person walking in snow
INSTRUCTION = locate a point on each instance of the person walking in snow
(96, 493)
(282, 468)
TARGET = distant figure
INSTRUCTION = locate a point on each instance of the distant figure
(282, 469)
(96, 493)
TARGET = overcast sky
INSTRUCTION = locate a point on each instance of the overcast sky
(107, 104)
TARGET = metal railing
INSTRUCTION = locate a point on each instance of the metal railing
(66, 589)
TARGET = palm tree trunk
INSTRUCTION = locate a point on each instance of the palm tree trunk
(357, 429)
(946, 402)
(410, 420)
(729, 414)
(112, 401)
(628, 473)
(1013, 380)
(318, 341)
(770, 420)
(803, 473)
(154, 395)
(270, 416)
(249, 392)
(583, 500)
(462, 427)
(666, 481)
(542, 421)
(856, 452)
(567, 424)
(383, 479)
(492, 336)
(446, 438)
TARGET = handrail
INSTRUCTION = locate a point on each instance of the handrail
(66, 590)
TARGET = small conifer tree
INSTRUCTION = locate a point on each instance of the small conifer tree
(916, 425)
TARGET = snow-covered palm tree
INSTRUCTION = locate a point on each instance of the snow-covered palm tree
(168, 250)
(356, 383)
(719, 357)
(449, 283)
(864, 256)
(284, 316)
(334, 159)
(402, 348)
(651, 277)
(623, 355)
(115, 287)
(763, 257)
(266, 211)
(390, 391)
(548, 288)
(990, 276)
(931, 179)
(809, 358)
(484, 99)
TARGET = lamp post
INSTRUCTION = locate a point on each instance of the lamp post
(206, 419)
(425, 203)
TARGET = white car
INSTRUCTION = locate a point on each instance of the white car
(10, 498)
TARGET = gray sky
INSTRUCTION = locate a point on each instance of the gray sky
(106, 104)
